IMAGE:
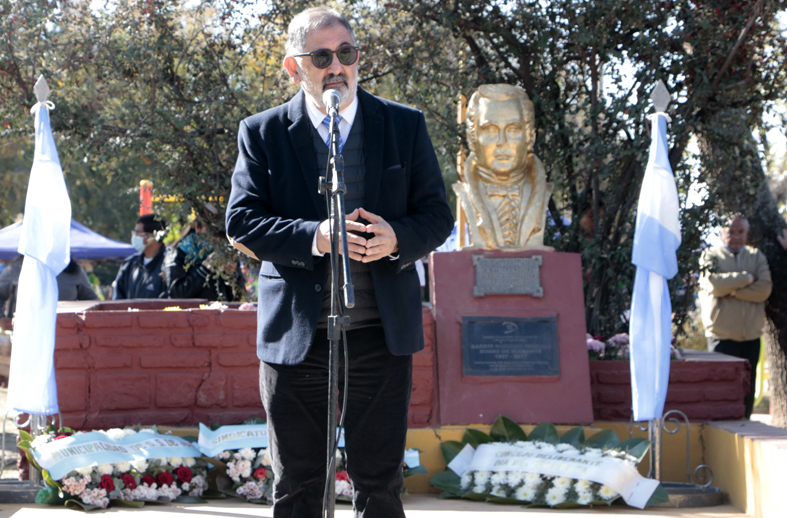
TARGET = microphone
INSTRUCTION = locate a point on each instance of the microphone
(332, 99)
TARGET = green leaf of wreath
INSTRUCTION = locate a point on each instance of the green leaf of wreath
(574, 437)
(637, 447)
(604, 440)
(545, 432)
(188, 499)
(134, 504)
(506, 430)
(450, 450)
(49, 496)
(567, 505)
(476, 497)
(504, 500)
(476, 437)
(604, 502)
(79, 506)
(213, 494)
(447, 481)
(659, 496)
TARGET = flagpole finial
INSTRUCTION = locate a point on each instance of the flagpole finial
(660, 96)
(41, 89)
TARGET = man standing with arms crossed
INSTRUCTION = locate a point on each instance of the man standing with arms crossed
(397, 213)
(733, 290)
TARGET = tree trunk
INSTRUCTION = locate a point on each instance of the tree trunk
(738, 182)
(777, 368)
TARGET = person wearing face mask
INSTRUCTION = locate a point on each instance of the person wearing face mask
(140, 275)
(734, 286)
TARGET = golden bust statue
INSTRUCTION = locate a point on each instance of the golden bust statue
(504, 192)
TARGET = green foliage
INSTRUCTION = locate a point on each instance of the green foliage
(637, 447)
(138, 504)
(155, 90)
(506, 430)
(451, 449)
(49, 496)
(545, 432)
(589, 68)
(659, 496)
(79, 506)
(604, 440)
(575, 437)
(476, 437)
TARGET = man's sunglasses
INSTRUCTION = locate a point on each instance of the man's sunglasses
(322, 58)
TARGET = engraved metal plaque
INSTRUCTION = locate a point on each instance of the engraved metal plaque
(514, 276)
(504, 346)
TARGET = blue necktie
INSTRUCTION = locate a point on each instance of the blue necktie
(327, 123)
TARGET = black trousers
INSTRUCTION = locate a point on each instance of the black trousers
(295, 399)
(748, 350)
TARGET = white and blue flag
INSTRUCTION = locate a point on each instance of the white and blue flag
(656, 240)
(45, 243)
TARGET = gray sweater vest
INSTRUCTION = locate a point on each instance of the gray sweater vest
(365, 313)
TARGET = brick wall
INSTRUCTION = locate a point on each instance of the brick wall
(179, 368)
(706, 387)
(117, 367)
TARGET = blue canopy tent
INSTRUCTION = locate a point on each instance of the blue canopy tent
(85, 244)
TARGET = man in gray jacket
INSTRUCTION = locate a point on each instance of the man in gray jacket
(735, 284)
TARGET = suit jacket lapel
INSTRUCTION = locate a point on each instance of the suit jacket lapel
(373, 138)
(301, 140)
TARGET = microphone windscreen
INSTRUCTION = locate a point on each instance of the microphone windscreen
(332, 99)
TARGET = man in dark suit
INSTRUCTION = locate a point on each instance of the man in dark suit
(397, 213)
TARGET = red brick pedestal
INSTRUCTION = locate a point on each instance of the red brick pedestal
(706, 387)
(564, 398)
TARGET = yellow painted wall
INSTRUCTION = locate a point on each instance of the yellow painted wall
(749, 460)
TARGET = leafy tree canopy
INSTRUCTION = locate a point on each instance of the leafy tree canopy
(154, 89)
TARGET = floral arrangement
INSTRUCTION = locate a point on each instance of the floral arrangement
(244, 473)
(128, 483)
(248, 474)
(617, 348)
(344, 489)
(534, 489)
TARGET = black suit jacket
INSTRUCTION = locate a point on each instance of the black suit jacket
(275, 208)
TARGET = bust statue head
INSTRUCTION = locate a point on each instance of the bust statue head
(501, 128)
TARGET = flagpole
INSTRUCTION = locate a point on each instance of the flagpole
(658, 227)
(661, 99)
(654, 436)
(45, 244)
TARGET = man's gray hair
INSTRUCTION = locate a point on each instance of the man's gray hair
(729, 218)
(312, 19)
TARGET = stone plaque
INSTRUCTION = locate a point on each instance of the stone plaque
(514, 276)
(503, 346)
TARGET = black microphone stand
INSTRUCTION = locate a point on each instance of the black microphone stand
(335, 189)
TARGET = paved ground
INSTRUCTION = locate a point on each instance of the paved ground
(416, 506)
